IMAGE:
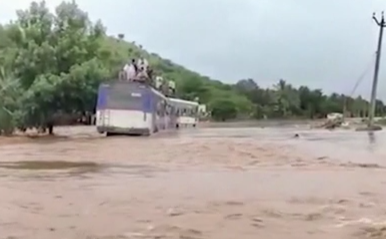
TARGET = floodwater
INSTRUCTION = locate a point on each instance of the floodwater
(198, 184)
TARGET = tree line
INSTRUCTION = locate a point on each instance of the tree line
(286, 101)
(52, 62)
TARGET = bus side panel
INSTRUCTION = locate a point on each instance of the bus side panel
(152, 117)
(149, 110)
(174, 121)
(158, 122)
(158, 119)
(167, 122)
(152, 109)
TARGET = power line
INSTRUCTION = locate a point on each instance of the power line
(362, 76)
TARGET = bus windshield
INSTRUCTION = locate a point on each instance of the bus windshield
(124, 97)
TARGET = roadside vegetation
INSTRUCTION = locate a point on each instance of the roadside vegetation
(51, 64)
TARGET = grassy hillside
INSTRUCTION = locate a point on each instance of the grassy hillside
(189, 84)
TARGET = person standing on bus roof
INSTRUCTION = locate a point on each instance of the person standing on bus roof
(131, 70)
(135, 65)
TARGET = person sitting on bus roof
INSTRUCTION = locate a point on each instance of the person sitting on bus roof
(158, 82)
(143, 63)
(142, 76)
(172, 86)
(124, 73)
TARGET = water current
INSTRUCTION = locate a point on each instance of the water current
(206, 183)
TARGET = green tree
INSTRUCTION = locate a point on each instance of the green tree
(59, 61)
(223, 109)
(9, 102)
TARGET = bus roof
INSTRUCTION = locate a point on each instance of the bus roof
(183, 102)
(137, 84)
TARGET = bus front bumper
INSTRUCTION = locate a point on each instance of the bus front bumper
(119, 130)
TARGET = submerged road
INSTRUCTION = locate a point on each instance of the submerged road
(205, 183)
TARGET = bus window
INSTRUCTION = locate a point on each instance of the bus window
(195, 111)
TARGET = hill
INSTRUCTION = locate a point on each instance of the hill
(189, 84)
(246, 99)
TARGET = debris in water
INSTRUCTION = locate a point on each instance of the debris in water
(47, 165)
(173, 213)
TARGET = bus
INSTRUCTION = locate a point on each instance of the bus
(186, 111)
(133, 108)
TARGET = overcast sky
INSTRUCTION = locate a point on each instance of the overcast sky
(320, 43)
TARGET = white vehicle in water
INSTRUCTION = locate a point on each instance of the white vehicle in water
(134, 108)
(186, 111)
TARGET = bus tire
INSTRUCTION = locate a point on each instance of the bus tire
(194, 125)
(177, 126)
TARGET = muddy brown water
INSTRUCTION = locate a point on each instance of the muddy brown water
(197, 184)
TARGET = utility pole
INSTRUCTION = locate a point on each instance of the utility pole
(381, 24)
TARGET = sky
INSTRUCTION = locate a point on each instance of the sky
(325, 44)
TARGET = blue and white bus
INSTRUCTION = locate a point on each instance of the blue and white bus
(133, 108)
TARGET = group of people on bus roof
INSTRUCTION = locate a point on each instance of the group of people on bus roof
(137, 70)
